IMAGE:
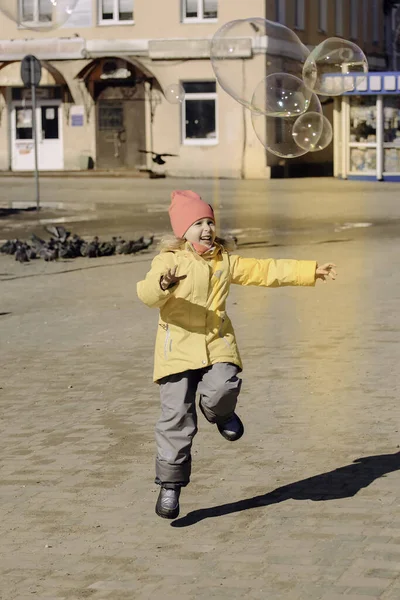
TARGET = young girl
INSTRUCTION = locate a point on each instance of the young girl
(196, 349)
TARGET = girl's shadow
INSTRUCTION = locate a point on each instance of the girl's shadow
(343, 482)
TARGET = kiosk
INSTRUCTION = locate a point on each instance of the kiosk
(366, 124)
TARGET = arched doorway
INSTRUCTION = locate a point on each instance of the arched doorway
(118, 90)
(51, 94)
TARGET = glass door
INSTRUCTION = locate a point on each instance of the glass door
(49, 138)
(391, 135)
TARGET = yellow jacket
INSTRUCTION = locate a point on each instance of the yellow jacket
(194, 330)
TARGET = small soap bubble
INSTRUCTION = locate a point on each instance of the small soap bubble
(174, 93)
(307, 130)
(326, 136)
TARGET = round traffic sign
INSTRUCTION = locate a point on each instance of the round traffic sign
(31, 70)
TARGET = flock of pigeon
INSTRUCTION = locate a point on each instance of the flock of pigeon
(62, 245)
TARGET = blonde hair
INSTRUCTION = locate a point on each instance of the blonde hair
(172, 243)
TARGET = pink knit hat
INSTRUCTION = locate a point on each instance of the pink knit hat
(186, 208)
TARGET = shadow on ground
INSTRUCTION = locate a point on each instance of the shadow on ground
(8, 212)
(343, 482)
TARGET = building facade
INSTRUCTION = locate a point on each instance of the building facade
(101, 98)
(392, 34)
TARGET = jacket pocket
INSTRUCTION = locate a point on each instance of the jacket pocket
(220, 330)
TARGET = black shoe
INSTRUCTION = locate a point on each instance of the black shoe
(167, 505)
(231, 430)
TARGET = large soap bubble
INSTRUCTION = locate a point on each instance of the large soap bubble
(43, 15)
(334, 56)
(276, 133)
(281, 95)
(272, 46)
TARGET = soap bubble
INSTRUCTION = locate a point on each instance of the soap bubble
(276, 133)
(307, 130)
(38, 16)
(334, 56)
(174, 93)
(273, 47)
(326, 136)
(281, 95)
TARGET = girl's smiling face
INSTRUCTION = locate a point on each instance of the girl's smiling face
(201, 232)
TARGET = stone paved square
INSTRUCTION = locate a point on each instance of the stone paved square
(305, 506)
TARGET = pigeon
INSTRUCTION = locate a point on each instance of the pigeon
(31, 252)
(21, 253)
(92, 250)
(37, 242)
(157, 158)
(9, 247)
(147, 242)
(59, 233)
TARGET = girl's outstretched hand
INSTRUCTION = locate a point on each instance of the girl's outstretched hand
(325, 271)
(170, 278)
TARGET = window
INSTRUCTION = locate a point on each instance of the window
(115, 11)
(339, 17)
(23, 120)
(363, 134)
(49, 122)
(199, 10)
(322, 16)
(280, 11)
(199, 113)
(391, 132)
(375, 17)
(110, 116)
(366, 20)
(35, 11)
(299, 14)
(354, 19)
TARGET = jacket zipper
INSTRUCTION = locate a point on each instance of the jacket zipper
(167, 343)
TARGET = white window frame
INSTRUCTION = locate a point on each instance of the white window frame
(353, 19)
(115, 20)
(36, 13)
(280, 11)
(199, 96)
(322, 16)
(299, 15)
(200, 17)
(339, 17)
(375, 22)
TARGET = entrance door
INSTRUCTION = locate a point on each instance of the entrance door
(120, 133)
(50, 149)
(111, 135)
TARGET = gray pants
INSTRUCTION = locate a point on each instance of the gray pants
(219, 387)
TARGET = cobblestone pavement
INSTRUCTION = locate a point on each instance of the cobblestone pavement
(304, 507)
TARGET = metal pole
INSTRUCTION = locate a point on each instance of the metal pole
(379, 138)
(336, 137)
(345, 136)
(34, 135)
